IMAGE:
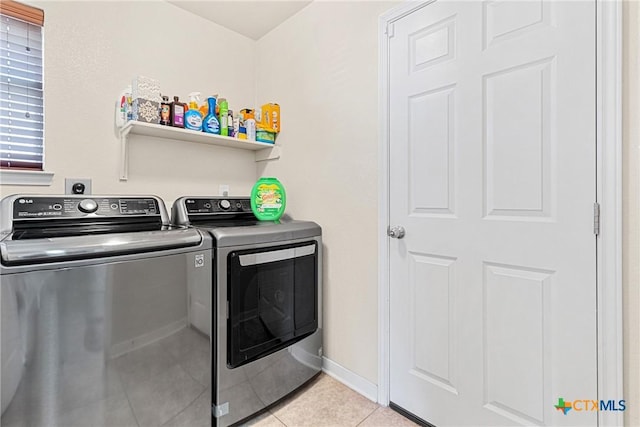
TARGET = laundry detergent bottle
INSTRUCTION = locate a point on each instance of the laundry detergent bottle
(211, 123)
(268, 199)
(192, 117)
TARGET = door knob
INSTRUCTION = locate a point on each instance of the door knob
(396, 232)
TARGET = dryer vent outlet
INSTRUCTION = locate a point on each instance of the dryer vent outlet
(77, 186)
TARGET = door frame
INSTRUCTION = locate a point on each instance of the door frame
(608, 195)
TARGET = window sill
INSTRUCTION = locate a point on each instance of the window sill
(25, 177)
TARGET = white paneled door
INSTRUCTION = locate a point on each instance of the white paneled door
(492, 176)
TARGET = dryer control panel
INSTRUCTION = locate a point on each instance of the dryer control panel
(209, 206)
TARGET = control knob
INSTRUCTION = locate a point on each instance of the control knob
(224, 204)
(87, 206)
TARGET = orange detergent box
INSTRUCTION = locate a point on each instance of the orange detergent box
(270, 117)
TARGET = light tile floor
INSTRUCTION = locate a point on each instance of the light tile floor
(326, 402)
(166, 383)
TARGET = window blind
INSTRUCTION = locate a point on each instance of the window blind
(21, 94)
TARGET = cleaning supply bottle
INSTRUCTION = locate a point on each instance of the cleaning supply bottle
(230, 124)
(236, 127)
(204, 110)
(268, 199)
(123, 107)
(165, 111)
(177, 113)
(224, 112)
(250, 124)
(192, 118)
(211, 123)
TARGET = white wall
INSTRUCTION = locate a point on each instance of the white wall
(93, 50)
(321, 65)
(631, 209)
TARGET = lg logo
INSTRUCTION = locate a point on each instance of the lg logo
(199, 262)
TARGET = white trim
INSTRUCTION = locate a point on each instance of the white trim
(25, 177)
(386, 19)
(609, 186)
(383, 214)
(350, 379)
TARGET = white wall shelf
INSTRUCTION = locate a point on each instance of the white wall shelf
(263, 151)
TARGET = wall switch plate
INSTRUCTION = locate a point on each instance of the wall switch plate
(223, 190)
(77, 186)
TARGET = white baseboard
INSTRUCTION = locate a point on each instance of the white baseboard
(350, 379)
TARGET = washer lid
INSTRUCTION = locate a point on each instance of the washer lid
(37, 251)
(263, 232)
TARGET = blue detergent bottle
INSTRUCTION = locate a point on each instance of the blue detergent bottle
(211, 124)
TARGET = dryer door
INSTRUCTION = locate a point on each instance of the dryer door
(273, 299)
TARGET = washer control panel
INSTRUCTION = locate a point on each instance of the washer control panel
(77, 207)
(217, 206)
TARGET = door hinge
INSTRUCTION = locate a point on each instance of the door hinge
(220, 410)
(389, 30)
(596, 218)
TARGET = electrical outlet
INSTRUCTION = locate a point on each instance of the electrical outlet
(223, 190)
(77, 186)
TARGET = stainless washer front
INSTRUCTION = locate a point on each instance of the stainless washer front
(94, 326)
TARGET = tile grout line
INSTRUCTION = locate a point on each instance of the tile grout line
(365, 418)
(174, 362)
(301, 392)
(126, 394)
(188, 405)
(276, 417)
(292, 397)
(177, 361)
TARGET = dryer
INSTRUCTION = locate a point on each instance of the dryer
(262, 306)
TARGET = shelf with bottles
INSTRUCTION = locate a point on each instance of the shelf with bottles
(263, 151)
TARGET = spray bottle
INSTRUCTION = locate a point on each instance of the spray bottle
(193, 118)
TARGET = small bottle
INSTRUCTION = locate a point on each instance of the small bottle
(251, 129)
(224, 113)
(257, 113)
(211, 123)
(123, 107)
(236, 126)
(177, 113)
(129, 107)
(230, 124)
(165, 111)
